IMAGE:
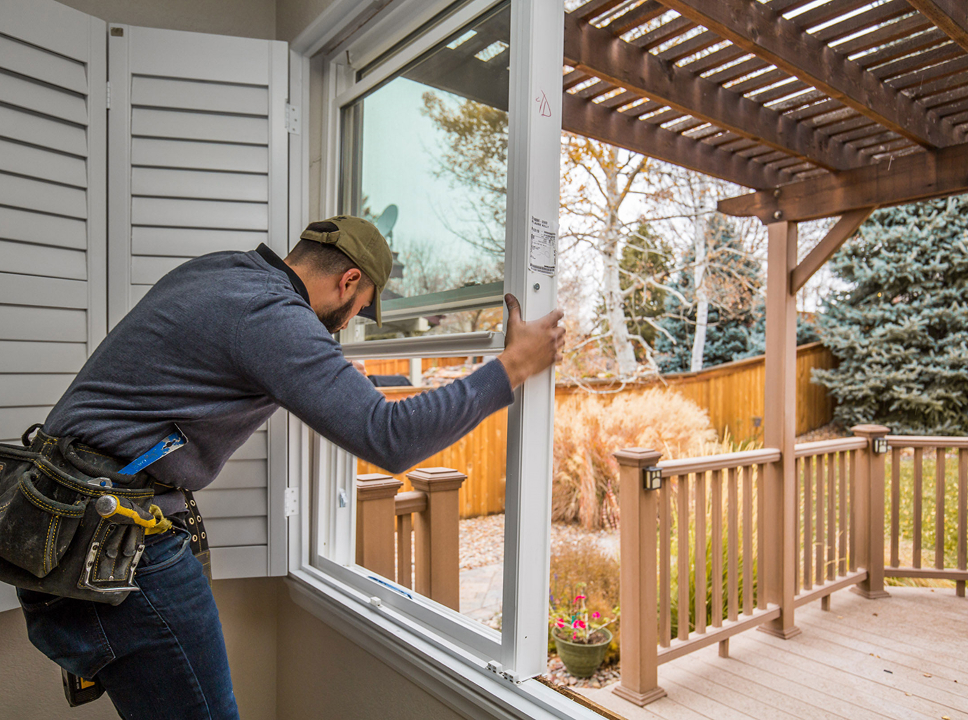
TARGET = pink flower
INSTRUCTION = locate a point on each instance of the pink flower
(575, 636)
(579, 624)
(560, 623)
(579, 597)
(596, 615)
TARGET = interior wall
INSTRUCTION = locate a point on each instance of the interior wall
(31, 687)
(321, 674)
(244, 18)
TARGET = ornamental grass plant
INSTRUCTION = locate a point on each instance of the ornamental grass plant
(589, 428)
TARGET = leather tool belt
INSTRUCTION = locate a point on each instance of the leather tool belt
(52, 539)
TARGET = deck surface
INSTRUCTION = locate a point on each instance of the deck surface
(900, 657)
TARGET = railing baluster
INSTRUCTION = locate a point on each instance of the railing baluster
(939, 483)
(962, 517)
(748, 540)
(918, 470)
(716, 574)
(760, 539)
(682, 521)
(665, 563)
(798, 521)
(405, 550)
(851, 518)
(831, 517)
(807, 523)
(732, 570)
(842, 524)
(700, 564)
(819, 538)
(895, 507)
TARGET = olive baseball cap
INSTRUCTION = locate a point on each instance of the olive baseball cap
(362, 243)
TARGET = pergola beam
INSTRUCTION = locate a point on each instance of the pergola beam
(950, 16)
(584, 117)
(598, 52)
(919, 176)
(761, 31)
(831, 243)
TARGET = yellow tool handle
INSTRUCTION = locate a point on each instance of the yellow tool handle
(123, 511)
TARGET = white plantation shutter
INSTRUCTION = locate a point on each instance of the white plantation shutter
(53, 290)
(199, 163)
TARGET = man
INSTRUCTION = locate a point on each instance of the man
(216, 347)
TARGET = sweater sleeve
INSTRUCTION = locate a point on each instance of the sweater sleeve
(283, 349)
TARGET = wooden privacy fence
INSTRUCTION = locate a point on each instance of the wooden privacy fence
(706, 554)
(481, 455)
(732, 394)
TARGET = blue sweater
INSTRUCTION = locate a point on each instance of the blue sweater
(217, 346)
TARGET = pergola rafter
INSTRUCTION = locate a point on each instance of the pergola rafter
(583, 117)
(951, 17)
(767, 34)
(598, 52)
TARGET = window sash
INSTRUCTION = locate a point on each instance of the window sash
(534, 146)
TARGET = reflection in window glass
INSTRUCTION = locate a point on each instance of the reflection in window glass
(425, 157)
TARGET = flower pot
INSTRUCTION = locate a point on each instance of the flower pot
(583, 659)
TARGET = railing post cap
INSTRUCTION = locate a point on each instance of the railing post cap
(870, 431)
(436, 479)
(637, 457)
(376, 486)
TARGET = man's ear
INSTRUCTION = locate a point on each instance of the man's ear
(349, 282)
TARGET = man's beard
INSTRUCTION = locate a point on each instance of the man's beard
(335, 319)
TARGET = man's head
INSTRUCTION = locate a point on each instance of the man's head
(345, 263)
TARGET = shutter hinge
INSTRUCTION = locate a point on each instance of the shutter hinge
(108, 95)
(292, 119)
(292, 501)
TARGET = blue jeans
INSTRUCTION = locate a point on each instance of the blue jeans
(160, 654)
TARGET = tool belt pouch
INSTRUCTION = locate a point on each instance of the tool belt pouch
(52, 539)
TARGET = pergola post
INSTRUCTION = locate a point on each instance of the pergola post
(780, 501)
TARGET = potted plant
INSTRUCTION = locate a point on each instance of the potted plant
(581, 638)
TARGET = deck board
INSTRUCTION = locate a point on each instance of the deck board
(901, 657)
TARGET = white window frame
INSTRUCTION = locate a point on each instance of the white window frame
(348, 36)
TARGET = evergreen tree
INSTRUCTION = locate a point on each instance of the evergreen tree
(733, 283)
(900, 332)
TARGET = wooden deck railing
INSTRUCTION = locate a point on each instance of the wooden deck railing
(701, 530)
(942, 565)
(429, 514)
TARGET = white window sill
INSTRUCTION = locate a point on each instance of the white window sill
(451, 674)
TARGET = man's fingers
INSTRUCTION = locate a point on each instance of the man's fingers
(514, 308)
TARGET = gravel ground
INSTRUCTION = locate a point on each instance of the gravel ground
(482, 544)
(482, 540)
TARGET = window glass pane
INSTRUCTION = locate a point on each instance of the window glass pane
(425, 157)
(469, 577)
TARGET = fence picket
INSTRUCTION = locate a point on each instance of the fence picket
(962, 517)
(818, 540)
(842, 524)
(807, 523)
(665, 565)
(831, 517)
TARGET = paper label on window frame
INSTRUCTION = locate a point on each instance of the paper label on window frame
(543, 248)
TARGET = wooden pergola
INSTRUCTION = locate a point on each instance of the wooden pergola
(823, 108)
